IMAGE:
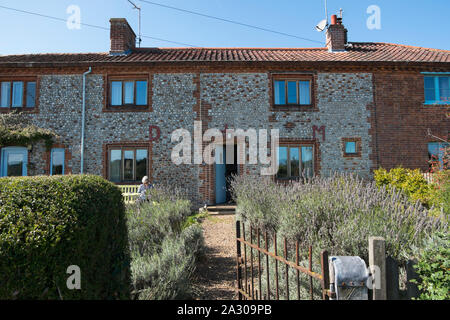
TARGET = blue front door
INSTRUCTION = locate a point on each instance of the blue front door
(14, 162)
(220, 168)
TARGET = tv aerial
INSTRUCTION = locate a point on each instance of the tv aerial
(139, 10)
(322, 25)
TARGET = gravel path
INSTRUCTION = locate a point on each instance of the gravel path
(217, 273)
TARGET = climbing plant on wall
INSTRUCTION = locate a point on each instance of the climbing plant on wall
(16, 129)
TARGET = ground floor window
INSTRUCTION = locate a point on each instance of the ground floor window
(57, 161)
(436, 151)
(127, 164)
(14, 161)
(294, 161)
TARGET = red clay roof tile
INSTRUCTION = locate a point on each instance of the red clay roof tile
(356, 52)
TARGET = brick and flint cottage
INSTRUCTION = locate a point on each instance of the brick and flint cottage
(349, 106)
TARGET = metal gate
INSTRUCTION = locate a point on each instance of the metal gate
(251, 261)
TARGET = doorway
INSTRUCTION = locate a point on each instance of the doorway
(224, 171)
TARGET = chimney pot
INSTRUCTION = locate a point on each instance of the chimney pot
(334, 19)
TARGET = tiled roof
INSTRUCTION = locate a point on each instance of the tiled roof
(356, 52)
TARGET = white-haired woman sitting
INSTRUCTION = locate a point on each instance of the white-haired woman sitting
(143, 189)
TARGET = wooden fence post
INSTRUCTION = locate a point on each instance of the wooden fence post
(377, 265)
(325, 274)
(412, 291)
(238, 259)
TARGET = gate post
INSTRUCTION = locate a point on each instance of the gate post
(377, 265)
(238, 259)
(325, 274)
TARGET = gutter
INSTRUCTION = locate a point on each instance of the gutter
(83, 120)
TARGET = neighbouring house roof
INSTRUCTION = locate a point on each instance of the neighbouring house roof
(355, 52)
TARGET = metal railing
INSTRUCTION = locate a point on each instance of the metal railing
(250, 268)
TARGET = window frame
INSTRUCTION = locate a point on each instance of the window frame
(135, 78)
(64, 160)
(299, 146)
(358, 147)
(25, 81)
(437, 96)
(297, 77)
(3, 161)
(126, 147)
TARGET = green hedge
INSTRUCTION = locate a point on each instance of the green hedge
(412, 182)
(50, 223)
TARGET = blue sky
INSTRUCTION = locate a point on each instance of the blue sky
(411, 22)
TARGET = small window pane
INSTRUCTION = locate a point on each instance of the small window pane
(128, 165)
(115, 162)
(307, 161)
(31, 94)
(141, 164)
(57, 162)
(444, 89)
(282, 162)
(294, 155)
(116, 93)
(141, 93)
(280, 93)
(292, 92)
(350, 147)
(430, 92)
(17, 96)
(129, 92)
(304, 92)
(5, 95)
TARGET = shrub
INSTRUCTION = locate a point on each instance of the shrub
(336, 213)
(409, 181)
(441, 180)
(433, 268)
(50, 223)
(164, 245)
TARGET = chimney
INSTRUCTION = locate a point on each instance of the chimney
(123, 38)
(336, 35)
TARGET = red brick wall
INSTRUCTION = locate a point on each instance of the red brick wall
(402, 120)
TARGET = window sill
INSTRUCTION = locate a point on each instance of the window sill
(293, 107)
(352, 155)
(127, 108)
(436, 103)
(18, 109)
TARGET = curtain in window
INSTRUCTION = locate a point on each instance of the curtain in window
(444, 89)
(280, 93)
(430, 92)
(129, 92)
(17, 96)
(116, 93)
(307, 161)
(292, 92)
(304, 92)
(5, 94)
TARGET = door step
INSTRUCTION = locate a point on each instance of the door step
(222, 210)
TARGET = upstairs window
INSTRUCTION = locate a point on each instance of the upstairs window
(17, 94)
(128, 92)
(437, 89)
(294, 92)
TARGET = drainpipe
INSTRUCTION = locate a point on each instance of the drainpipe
(83, 116)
